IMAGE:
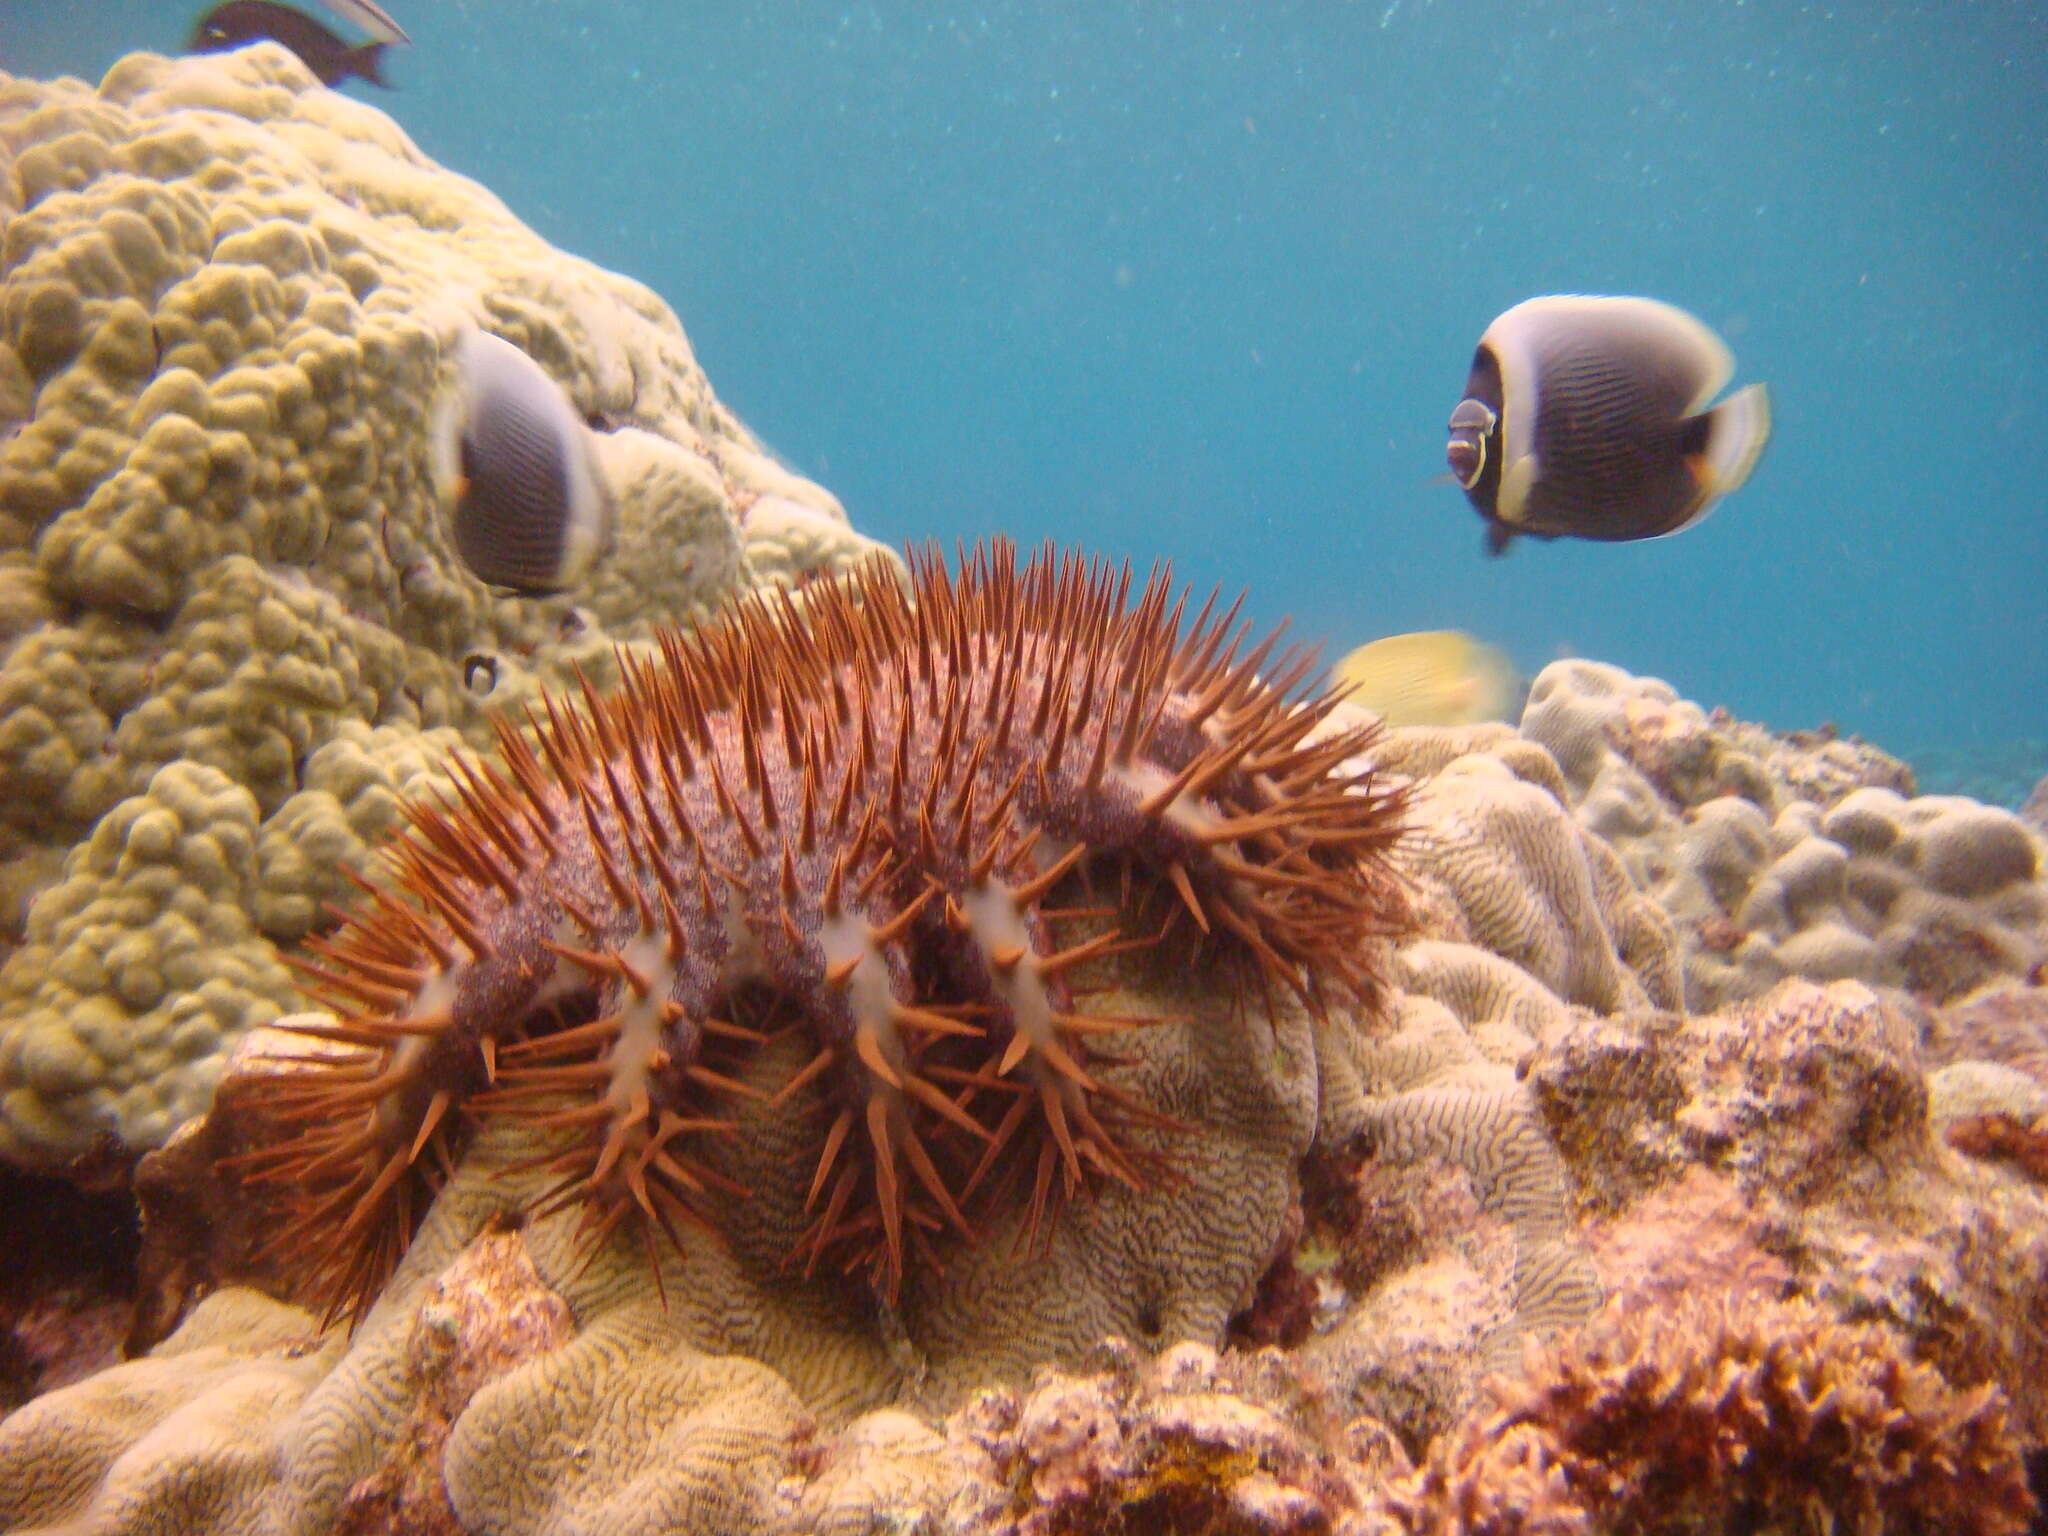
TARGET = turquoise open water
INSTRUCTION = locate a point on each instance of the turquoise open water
(1203, 280)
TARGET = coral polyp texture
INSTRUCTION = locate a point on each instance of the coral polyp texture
(232, 611)
(1776, 1418)
(897, 823)
(1803, 855)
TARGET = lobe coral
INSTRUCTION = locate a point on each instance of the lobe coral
(901, 823)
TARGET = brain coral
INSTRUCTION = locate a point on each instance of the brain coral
(227, 297)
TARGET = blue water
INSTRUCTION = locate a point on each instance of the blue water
(1203, 281)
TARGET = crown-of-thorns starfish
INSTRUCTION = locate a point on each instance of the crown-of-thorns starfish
(852, 803)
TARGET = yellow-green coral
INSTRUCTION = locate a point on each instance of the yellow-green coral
(140, 967)
(785, 540)
(226, 300)
(351, 791)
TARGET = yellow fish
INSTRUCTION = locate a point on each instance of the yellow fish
(1433, 677)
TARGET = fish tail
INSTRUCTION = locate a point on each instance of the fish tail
(1739, 428)
(368, 62)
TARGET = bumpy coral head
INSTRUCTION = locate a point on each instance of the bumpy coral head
(900, 824)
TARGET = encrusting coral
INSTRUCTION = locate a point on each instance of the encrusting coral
(1188, 1442)
(227, 301)
(1814, 1101)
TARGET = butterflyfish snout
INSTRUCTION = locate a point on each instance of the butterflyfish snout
(1466, 451)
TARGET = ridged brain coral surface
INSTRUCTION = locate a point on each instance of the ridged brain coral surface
(227, 297)
(898, 824)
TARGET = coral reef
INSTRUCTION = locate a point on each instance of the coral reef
(1587, 714)
(1411, 1200)
(966, 1054)
(230, 605)
(1531, 886)
(1797, 856)
(1815, 1103)
(1186, 1442)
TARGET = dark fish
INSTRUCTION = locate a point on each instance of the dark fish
(528, 506)
(247, 21)
(1587, 418)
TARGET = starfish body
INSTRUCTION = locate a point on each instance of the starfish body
(845, 811)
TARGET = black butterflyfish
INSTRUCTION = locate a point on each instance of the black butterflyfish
(527, 505)
(1590, 418)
